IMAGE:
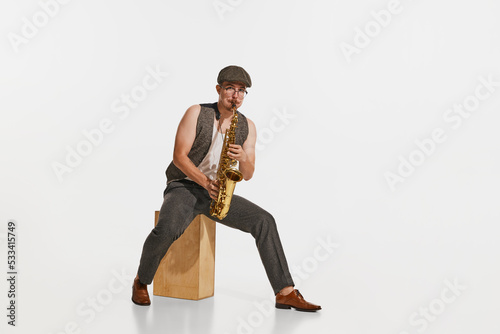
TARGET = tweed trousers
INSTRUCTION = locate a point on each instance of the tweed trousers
(183, 201)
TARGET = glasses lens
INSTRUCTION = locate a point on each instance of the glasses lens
(231, 90)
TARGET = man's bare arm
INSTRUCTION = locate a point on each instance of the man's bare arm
(186, 133)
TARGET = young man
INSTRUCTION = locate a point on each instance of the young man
(191, 185)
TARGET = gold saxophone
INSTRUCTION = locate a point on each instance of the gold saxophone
(227, 174)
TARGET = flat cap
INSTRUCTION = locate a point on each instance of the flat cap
(234, 73)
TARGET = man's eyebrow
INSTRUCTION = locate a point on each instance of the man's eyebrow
(234, 86)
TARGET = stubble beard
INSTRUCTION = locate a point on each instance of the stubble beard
(230, 102)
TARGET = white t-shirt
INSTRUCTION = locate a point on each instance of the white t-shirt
(210, 162)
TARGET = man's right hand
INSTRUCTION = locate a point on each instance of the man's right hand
(212, 187)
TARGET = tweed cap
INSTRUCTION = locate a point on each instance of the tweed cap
(234, 73)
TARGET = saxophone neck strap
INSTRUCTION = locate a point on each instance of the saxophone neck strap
(217, 112)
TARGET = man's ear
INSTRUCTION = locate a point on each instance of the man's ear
(218, 88)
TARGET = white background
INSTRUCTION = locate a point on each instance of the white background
(321, 170)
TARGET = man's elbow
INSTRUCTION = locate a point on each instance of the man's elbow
(177, 160)
(247, 176)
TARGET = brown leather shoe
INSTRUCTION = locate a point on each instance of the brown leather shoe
(294, 299)
(140, 294)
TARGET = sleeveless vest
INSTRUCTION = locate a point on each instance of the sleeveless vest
(203, 139)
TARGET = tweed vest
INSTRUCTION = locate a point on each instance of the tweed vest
(203, 139)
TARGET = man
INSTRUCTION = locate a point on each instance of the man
(191, 185)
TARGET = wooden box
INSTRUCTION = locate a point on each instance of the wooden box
(188, 269)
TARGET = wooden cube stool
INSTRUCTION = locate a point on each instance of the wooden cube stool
(188, 269)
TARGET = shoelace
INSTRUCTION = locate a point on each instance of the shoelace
(299, 294)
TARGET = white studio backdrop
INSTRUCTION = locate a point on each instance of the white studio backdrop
(377, 154)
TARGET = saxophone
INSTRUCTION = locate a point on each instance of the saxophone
(227, 174)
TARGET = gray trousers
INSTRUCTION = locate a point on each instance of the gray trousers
(183, 201)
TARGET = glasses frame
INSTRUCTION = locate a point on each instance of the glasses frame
(240, 91)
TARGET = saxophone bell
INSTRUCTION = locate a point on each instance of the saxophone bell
(233, 174)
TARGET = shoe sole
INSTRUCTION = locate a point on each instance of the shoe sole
(287, 307)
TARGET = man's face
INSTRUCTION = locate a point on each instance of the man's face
(231, 93)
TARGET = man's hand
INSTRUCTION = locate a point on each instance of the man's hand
(237, 152)
(212, 187)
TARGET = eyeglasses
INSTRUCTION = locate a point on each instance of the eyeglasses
(230, 91)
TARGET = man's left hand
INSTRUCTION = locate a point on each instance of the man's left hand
(237, 152)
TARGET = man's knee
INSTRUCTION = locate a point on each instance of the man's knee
(167, 230)
(265, 225)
